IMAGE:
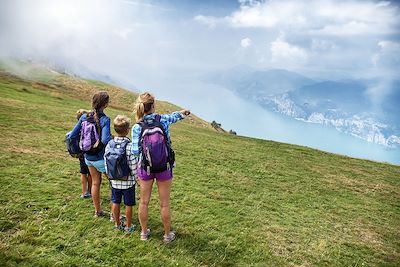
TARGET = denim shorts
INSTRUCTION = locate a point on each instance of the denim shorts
(129, 196)
(98, 164)
(161, 176)
(83, 166)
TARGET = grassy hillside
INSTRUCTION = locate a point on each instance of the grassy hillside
(236, 201)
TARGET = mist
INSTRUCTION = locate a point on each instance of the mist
(165, 46)
(248, 119)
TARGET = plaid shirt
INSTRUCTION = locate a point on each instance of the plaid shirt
(132, 162)
(166, 120)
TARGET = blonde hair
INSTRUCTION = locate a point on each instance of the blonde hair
(143, 105)
(122, 124)
(80, 112)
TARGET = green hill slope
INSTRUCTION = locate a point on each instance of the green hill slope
(236, 201)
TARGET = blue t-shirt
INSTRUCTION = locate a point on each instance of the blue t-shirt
(105, 135)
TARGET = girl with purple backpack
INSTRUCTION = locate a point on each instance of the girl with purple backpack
(94, 131)
(151, 144)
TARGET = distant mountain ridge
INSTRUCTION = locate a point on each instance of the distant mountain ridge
(344, 105)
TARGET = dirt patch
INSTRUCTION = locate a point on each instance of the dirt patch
(370, 238)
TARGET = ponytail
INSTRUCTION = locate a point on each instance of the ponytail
(97, 119)
(99, 102)
(139, 112)
(143, 105)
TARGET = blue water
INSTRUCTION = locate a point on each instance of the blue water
(212, 102)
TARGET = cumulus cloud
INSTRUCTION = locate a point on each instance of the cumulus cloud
(286, 54)
(331, 35)
(326, 17)
(246, 42)
(269, 14)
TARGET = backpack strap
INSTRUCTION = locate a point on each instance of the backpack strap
(99, 126)
(157, 119)
(125, 142)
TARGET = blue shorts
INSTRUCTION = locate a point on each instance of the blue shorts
(129, 196)
(98, 164)
(83, 166)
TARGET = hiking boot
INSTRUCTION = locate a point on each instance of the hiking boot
(170, 237)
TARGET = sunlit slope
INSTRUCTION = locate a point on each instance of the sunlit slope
(236, 201)
(42, 77)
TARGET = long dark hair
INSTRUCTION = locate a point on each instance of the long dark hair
(99, 101)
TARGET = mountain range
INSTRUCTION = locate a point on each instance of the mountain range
(346, 105)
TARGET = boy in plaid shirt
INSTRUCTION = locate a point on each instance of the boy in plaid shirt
(125, 188)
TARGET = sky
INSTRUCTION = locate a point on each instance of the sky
(167, 46)
(134, 40)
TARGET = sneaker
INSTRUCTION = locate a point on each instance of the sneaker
(122, 218)
(145, 236)
(119, 227)
(86, 195)
(129, 230)
(170, 237)
(101, 213)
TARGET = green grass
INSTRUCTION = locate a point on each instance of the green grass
(236, 201)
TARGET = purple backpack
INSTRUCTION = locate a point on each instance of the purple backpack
(90, 137)
(156, 152)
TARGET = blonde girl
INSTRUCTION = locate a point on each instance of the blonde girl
(144, 110)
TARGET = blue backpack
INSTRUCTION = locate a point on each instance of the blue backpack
(116, 160)
(156, 152)
(73, 146)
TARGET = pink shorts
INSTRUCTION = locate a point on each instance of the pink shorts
(161, 176)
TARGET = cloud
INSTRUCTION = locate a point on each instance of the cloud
(246, 42)
(209, 21)
(322, 45)
(269, 14)
(124, 33)
(387, 57)
(326, 17)
(286, 54)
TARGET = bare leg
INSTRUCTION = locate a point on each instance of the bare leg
(89, 183)
(84, 181)
(164, 190)
(112, 206)
(145, 194)
(128, 215)
(116, 212)
(96, 182)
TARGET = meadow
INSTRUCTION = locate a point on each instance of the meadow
(236, 201)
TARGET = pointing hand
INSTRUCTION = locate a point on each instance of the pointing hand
(185, 112)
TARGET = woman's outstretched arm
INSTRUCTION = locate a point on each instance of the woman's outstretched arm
(174, 116)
